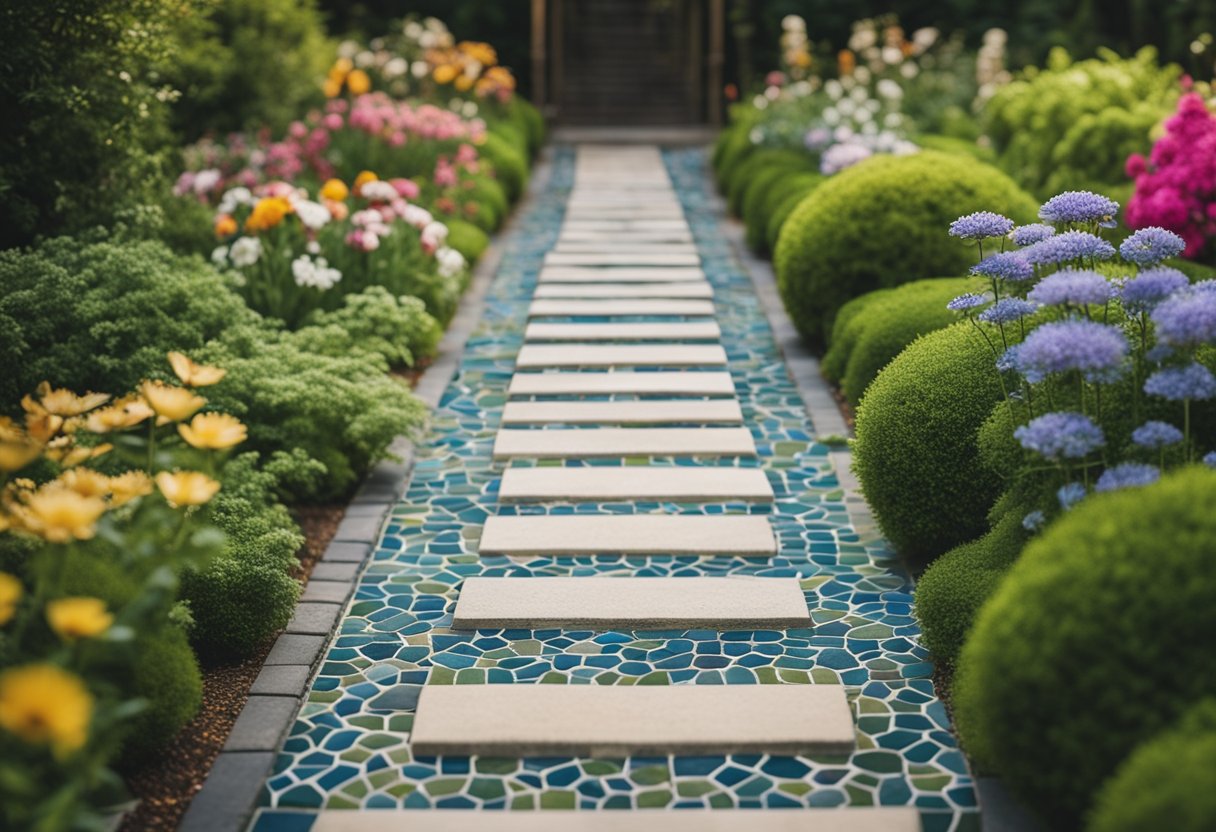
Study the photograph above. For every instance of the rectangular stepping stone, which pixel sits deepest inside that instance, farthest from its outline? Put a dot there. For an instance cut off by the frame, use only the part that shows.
(634, 482)
(634, 235)
(592, 384)
(622, 721)
(685, 289)
(597, 308)
(674, 331)
(613, 603)
(624, 213)
(617, 355)
(741, 535)
(849, 819)
(614, 442)
(622, 245)
(624, 413)
(625, 225)
(626, 274)
(558, 258)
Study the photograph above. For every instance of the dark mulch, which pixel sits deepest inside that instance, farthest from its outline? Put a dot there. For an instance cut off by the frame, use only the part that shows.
(166, 786)
(412, 374)
(846, 409)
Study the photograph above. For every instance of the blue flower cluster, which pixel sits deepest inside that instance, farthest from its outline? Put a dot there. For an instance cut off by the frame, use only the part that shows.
(981, 225)
(1144, 291)
(1008, 265)
(1096, 350)
(1149, 246)
(1068, 247)
(1128, 475)
(966, 302)
(1187, 319)
(1074, 287)
(1008, 310)
(1028, 235)
(1156, 435)
(1080, 207)
(1193, 382)
(1062, 435)
(1070, 495)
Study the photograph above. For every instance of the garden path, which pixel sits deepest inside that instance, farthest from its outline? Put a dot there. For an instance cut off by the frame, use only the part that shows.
(623, 576)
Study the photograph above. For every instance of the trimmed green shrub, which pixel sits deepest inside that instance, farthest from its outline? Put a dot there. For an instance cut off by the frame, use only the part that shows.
(1099, 637)
(957, 147)
(766, 188)
(468, 239)
(735, 146)
(531, 120)
(744, 175)
(167, 676)
(915, 451)
(247, 63)
(885, 325)
(400, 330)
(783, 199)
(490, 194)
(514, 135)
(1167, 782)
(881, 223)
(956, 585)
(510, 167)
(85, 133)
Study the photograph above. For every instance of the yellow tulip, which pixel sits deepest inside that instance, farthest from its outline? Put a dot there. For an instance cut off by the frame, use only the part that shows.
(46, 705)
(64, 402)
(173, 403)
(358, 82)
(213, 431)
(73, 618)
(192, 374)
(186, 488)
(11, 591)
(126, 487)
(58, 514)
(335, 190)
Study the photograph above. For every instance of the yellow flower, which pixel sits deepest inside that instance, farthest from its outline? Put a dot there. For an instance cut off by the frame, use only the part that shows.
(40, 423)
(16, 455)
(335, 190)
(10, 593)
(126, 487)
(186, 488)
(267, 213)
(192, 374)
(363, 178)
(86, 482)
(215, 431)
(58, 515)
(358, 82)
(225, 226)
(172, 403)
(73, 618)
(43, 704)
(63, 402)
(69, 455)
(331, 88)
(446, 73)
(124, 413)
(463, 83)
(483, 53)
(341, 67)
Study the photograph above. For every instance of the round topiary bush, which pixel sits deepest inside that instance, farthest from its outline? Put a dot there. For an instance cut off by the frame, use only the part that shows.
(1099, 637)
(734, 146)
(510, 166)
(167, 676)
(760, 198)
(489, 193)
(879, 331)
(468, 239)
(915, 451)
(881, 223)
(1166, 783)
(782, 202)
(744, 175)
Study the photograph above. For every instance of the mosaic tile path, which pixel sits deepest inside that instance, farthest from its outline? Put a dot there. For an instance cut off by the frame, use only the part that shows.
(350, 747)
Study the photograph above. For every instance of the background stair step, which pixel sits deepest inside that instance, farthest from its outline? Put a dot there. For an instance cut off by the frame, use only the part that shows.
(739, 535)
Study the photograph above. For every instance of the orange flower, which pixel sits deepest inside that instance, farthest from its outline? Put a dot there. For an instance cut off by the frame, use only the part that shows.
(267, 213)
(192, 374)
(847, 61)
(463, 83)
(483, 53)
(446, 73)
(358, 82)
(335, 190)
(338, 210)
(225, 226)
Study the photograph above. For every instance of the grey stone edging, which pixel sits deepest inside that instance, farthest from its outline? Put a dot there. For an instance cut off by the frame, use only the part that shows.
(229, 795)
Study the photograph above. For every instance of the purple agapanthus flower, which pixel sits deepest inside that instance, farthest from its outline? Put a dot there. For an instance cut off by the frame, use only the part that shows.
(1081, 207)
(1096, 350)
(1028, 235)
(1209, 459)
(1067, 247)
(1156, 435)
(966, 302)
(1061, 435)
(1071, 494)
(981, 225)
(1008, 265)
(1149, 246)
(1144, 291)
(1193, 382)
(1008, 310)
(1208, 285)
(1128, 475)
(1186, 319)
(1008, 360)
(1075, 287)
(1033, 521)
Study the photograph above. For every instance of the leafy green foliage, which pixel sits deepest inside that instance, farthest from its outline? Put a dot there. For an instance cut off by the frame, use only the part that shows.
(510, 166)
(882, 223)
(468, 239)
(1073, 123)
(744, 174)
(398, 329)
(85, 129)
(783, 199)
(915, 451)
(1166, 782)
(1099, 638)
(167, 676)
(874, 328)
(246, 64)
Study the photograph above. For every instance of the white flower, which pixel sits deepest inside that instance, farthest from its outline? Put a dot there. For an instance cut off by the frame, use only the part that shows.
(434, 234)
(420, 69)
(233, 198)
(862, 74)
(219, 255)
(348, 49)
(451, 262)
(468, 109)
(924, 38)
(846, 107)
(892, 55)
(205, 180)
(312, 247)
(793, 23)
(413, 29)
(759, 102)
(755, 135)
(859, 94)
(831, 117)
(889, 89)
(909, 70)
(396, 67)
(772, 93)
(834, 89)
(316, 274)
(246, 251)
(364, 59)
(863, 37)
(314, 215)
(840, 156)
(416, 216)
(378, 191)
(428, 40)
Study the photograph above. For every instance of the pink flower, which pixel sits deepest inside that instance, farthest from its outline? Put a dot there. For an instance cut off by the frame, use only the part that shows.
(407, 188)
(332, 121)
(363, 240)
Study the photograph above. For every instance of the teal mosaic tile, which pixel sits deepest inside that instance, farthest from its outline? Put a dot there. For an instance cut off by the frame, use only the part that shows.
(349, 747)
